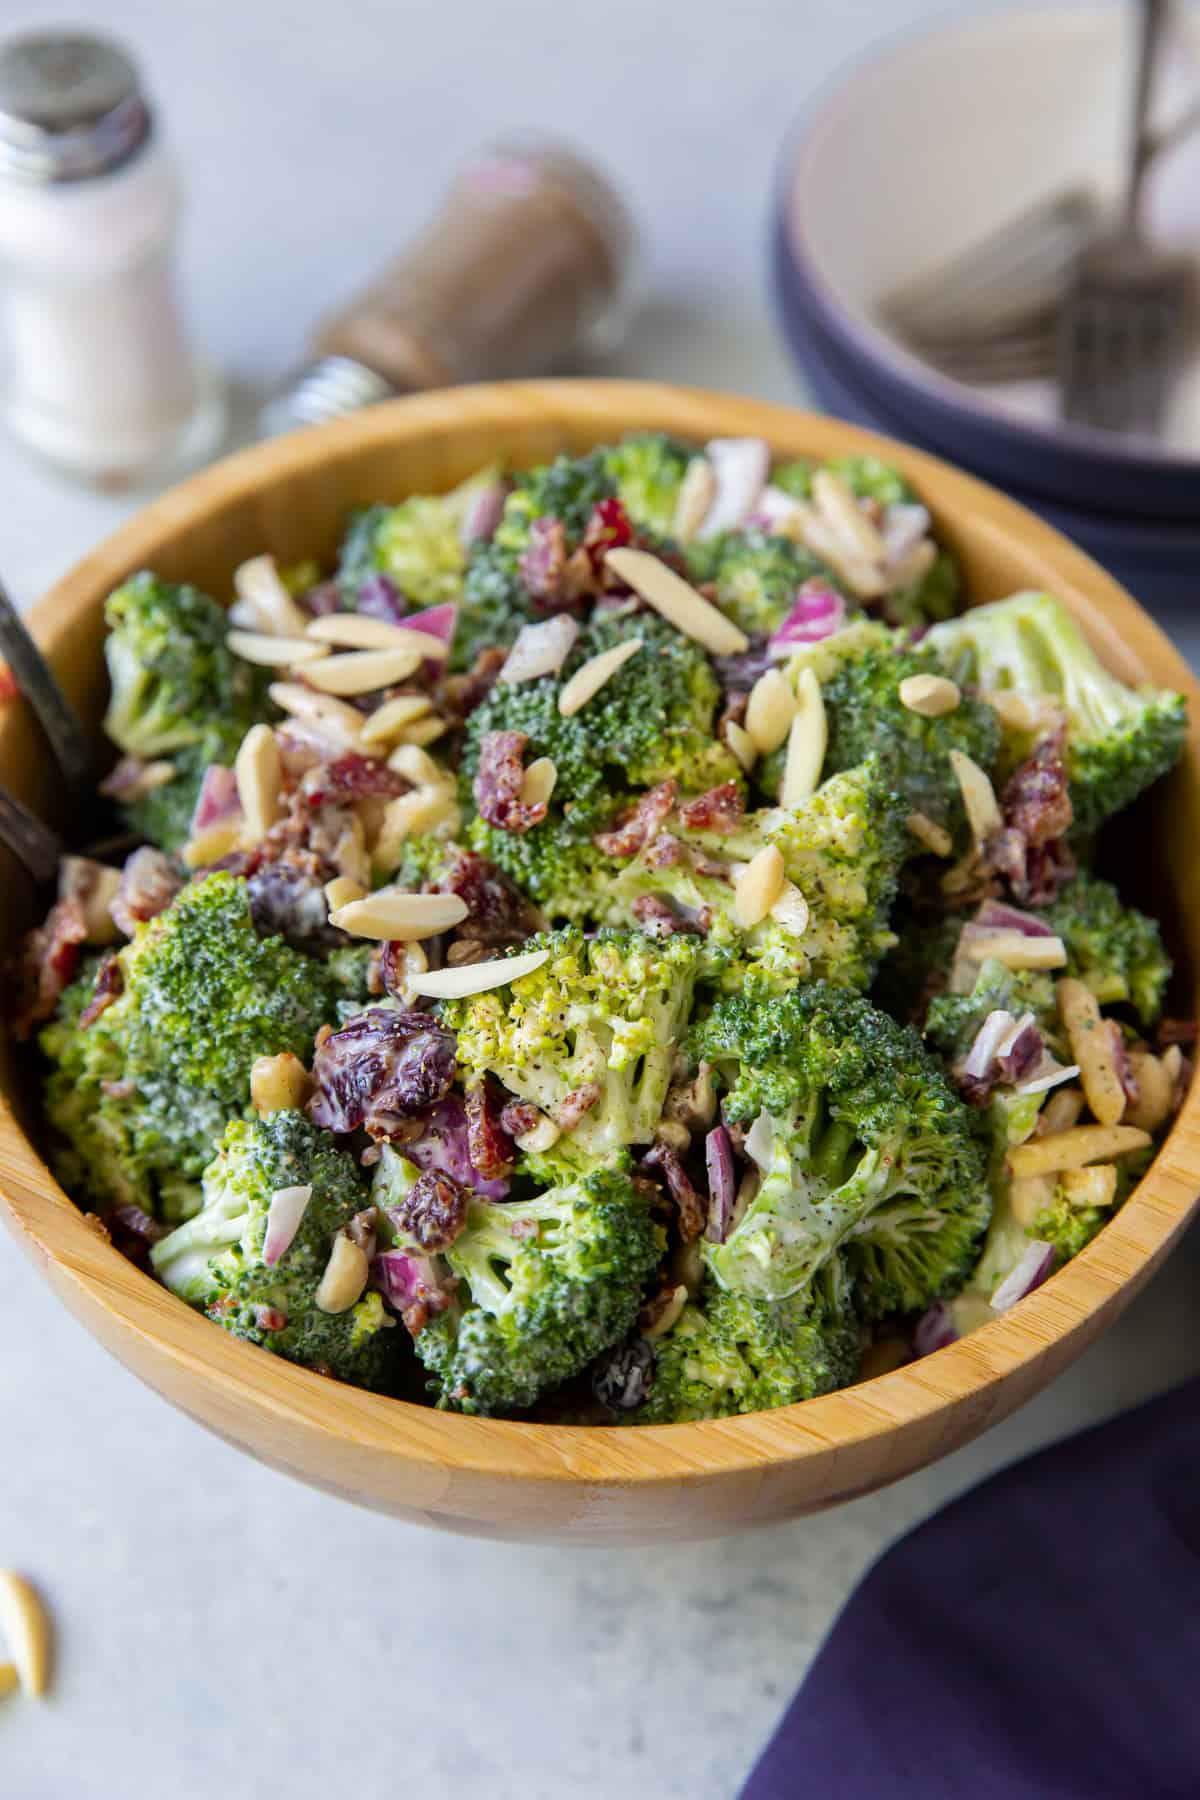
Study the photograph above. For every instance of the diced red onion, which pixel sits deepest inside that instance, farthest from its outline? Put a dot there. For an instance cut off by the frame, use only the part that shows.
(287, 1208)
(995, 915)
(991, 1034)
(772, 507)
(934, 1329)
(481, 514)
(1031, 1270)
(217, 799)
(722, 1183)
(817, 612)
(1022, 1050)
(904, 526)
(540, 649)
(437, 621)
(403, 1279)
(741, 467)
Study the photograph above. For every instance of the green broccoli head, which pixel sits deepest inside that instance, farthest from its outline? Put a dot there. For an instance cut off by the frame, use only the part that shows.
(861, 1146)
(495, 604)
(647, 470)
(217, 1260)
(590, 1036)
(1119, 739)
(754, 575)
(915, 969)
(927, 598)
(1068, 1228)
(1114, 949)
(729, 1353)
(953, 1020)
(546, 1284)
(415, 546)
(865, 714)
(143, 1092)
(841, 849)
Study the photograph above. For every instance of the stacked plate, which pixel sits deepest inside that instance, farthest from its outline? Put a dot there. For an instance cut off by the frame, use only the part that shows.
(919, 154)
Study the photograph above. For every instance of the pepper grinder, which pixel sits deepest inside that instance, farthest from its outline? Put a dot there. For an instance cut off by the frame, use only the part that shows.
(525, 265)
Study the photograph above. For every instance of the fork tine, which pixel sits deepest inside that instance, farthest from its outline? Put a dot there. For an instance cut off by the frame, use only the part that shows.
(33, 843)
(39, 685)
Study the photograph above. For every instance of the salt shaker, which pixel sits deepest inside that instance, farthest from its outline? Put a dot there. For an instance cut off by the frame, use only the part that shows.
(526, 264)
(100, 379)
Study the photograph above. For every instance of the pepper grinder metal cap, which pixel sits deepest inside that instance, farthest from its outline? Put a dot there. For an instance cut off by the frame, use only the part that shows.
(71, 106)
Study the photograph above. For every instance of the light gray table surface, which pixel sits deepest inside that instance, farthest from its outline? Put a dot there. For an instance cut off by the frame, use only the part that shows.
(224, 1630)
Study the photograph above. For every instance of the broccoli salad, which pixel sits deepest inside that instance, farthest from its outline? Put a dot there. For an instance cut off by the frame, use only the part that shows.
(625, 945)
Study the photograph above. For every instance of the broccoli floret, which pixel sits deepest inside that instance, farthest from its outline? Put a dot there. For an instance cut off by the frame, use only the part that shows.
(647, 469)
(602, 1016)
(545, 1285)
(178, 693)
(415, 545)
(215, 1261)
(953, 1020)
(143, 1093)
(865, 714)
(1114, 949)
(728, 1353)
(930, 597)
(861, 1145)
(1069, 1228)
(865, 476)
(754, 575)
(916, 967)
(495, 604)
(841, 849)
(1119, 739)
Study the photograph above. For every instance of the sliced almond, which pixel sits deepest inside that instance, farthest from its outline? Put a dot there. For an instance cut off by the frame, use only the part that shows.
(416, 765)
(591, 676)
(1022, 712)
(1062, 1110)
(386, 723)
(791, 910)
(758, 887)
(424, 811)
(25, 1630)
(539, 781)
(274, 651)
(979, 797)
(358, 631)
(96, 887)
(927, 831)
(278, 1083)
(258, 778)
(345, 1277)
(1156, 1091)
(412, 962)
(1075, 1148)
(362, 671)
(1095, 1186)
(862, 577)
(1016, 951)
(742, 744)
(677, 601)
(342, 890)
(425, 731)
(540, 1137)
(1030, 1195)
(263, 601)
(480, 977)
(304, 702)
(697, 491)
(838, 506)
(914, 565)
(218, 840)
(770, 711)
(539, 650)
(929, 695)
(669, 1316)
(393, 916)
(807, 738)
(1092, 1047)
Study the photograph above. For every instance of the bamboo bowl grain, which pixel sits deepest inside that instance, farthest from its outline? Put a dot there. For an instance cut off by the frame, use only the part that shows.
(507, 1479)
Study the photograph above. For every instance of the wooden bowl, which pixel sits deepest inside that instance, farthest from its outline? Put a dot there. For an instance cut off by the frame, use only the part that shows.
(519, 1480)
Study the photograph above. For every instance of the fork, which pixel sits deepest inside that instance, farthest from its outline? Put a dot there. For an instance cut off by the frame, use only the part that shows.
(33, 843)
(1123, 319)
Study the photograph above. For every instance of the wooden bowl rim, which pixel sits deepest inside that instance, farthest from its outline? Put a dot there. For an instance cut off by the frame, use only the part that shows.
(55, 1231)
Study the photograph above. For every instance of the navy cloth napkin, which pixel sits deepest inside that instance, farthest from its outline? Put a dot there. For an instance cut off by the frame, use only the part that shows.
(1040, 1637)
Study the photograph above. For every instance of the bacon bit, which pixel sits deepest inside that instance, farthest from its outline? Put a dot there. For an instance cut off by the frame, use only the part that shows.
(659, 919)
(379, 1070)
(434, 1210)
(572, 1107)
(46, 962)
(148, 885)
(665, 852)
(499, 782)
(720, 809)
(110, 985)
(692, 1210)
(1030, 851)
(350, 778)
(9, 689)
(498, 914)
(544, 560)
(633, 828)
(489, 1141)
(608, 528)
(270, 1318)
(518, 1117)
(457, 696)
(1175, 1031)
(132, 777)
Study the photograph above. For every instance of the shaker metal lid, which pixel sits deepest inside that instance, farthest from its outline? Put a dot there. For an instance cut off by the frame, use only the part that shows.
(71, 106)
